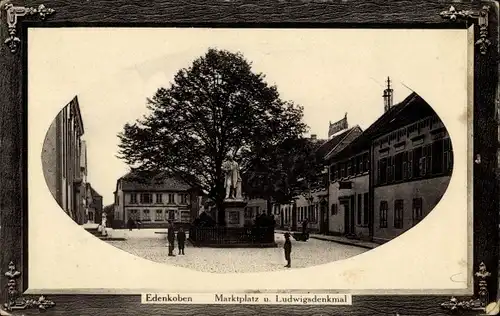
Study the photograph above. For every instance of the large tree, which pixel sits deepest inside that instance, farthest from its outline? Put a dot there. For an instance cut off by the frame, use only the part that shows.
(216, 108)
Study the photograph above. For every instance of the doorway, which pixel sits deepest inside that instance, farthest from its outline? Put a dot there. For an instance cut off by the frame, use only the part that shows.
(323, 218)
(348, 215)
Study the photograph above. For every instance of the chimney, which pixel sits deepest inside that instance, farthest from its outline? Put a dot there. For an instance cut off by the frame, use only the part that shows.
(313, 136)
(388, 96)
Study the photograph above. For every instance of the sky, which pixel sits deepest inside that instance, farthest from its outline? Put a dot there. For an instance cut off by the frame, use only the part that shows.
(113, 71)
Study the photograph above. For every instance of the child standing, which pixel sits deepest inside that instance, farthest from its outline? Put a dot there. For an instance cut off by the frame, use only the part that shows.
(181, 239)
(288, 250)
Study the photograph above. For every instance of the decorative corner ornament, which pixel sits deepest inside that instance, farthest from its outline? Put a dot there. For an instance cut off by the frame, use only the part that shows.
(15, 299)
(13, 13)
(482, 19)
(478, 304)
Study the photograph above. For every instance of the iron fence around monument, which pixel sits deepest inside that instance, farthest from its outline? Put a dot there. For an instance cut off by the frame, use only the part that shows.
(231, 236)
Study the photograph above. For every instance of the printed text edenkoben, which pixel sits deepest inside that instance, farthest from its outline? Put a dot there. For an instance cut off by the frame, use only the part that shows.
(232, 298)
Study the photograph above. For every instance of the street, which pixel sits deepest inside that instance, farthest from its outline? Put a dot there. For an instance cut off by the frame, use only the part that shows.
(151, 246)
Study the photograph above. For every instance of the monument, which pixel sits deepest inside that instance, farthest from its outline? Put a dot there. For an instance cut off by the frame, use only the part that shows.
(234, 204)
(234, 233)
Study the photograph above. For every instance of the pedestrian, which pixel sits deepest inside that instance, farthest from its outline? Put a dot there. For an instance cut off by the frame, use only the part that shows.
(181, 239)
(171, 239)
(130, 223)
(288, 250)
(304, 226)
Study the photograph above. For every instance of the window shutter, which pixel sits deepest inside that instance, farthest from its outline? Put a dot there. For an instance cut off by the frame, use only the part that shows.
(422, 165)
(378, 172)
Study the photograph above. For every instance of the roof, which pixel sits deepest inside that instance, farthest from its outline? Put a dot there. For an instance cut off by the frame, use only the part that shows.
(93, 192)
(410, 109)
(329, 145)
(75, 110)
(134, 182)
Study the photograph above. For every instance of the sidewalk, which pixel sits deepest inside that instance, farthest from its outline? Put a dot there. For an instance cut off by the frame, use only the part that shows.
(341, 240)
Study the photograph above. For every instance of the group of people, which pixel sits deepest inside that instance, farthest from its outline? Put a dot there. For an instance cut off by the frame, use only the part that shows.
(181, 240)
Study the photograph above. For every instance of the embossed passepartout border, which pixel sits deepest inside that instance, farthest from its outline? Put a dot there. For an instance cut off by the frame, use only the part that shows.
(16, 16)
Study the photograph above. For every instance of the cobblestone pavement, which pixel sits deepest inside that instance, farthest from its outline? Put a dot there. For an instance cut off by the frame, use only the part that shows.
(231, 260)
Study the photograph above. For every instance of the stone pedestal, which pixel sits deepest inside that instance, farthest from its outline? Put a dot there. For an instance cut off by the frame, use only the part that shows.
(235, 213)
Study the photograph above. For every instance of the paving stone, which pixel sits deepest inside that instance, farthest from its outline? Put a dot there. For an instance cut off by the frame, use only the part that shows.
(239, 260)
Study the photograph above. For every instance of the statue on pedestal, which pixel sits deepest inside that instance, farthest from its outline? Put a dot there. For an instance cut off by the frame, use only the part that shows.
(233, 180)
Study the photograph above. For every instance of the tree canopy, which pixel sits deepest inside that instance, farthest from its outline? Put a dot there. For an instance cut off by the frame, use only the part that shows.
(290, 168)
(214, 109)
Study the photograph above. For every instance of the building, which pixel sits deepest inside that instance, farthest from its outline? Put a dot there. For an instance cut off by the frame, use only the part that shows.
(154, 201)
(348, 190)
(312, 204)
(413, 162)
(64, 161)
(109, 211)
(392, 175)
(94, 205)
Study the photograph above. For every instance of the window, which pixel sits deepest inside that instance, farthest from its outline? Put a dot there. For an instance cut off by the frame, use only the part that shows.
(185, 217)
(359, 165)
(417, 210)
(382, 171)
(427, 152)
(133, 214)
(366, 162)
(159, 198)
(447, 156)
(146, 215)
(171, 215)
(184, 199)
(410, 164)
(438, 166)
(133, 198)
(398, 167)
(159, 215)
(343, 169)
(398, 214)
(365, 209)
(334, 210)
(390, 169)
(359, 209)
(146, 198)
(418, 162)
(404, 165)
(171, 198)
(384, 206)
(349, 168)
